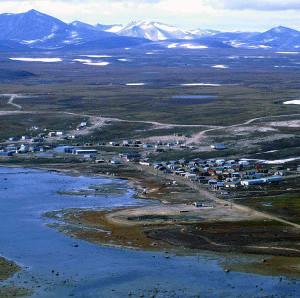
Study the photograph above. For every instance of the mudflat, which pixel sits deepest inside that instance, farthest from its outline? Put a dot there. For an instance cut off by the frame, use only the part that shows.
(7, 269)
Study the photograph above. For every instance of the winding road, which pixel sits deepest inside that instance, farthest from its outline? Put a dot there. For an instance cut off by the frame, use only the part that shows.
(195, 138)
(99, 121)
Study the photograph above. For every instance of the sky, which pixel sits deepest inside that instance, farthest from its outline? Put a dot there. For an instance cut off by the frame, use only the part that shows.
(224, 15)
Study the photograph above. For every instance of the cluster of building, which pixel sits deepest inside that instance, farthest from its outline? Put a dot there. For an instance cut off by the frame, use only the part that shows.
(10, 150)
(159, 146)
(41, 136)
(218, 173)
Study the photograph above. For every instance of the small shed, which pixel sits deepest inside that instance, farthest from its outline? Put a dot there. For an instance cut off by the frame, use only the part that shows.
(212, 182)
(115, 162)
(252, 182)
(218, 146)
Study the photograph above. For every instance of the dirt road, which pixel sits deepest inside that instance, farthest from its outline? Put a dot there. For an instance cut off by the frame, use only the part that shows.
(195, 138)
(12, 97)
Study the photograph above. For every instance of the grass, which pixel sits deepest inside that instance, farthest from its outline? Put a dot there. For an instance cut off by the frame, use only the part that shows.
(258, 86)
(189, 154)
(119, 131)
(282, 144)
(250, 88)
(286, 206)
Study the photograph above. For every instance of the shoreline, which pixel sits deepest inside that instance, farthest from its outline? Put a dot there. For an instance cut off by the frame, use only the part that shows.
(8, 268)
(154, 233)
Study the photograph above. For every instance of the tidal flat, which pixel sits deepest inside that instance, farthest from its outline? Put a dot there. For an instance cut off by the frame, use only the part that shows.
(56, 264)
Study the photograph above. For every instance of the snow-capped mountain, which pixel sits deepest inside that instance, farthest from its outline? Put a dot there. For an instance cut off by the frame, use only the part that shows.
(156, 31)
(39, 30)
(153, 31)
(198, 33)
(29, 26)
(36, 30)
(110, 28)
(281, 37)
(84, 26)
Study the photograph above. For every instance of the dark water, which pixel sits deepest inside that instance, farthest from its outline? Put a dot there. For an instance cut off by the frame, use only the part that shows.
(192, 99)
(96, 271)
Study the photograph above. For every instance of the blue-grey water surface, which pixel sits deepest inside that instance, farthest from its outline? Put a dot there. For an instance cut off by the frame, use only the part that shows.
(91, 270)
(194, 96)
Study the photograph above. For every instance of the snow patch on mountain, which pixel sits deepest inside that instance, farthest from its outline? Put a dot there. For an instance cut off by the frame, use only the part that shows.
(152, 30)
(115, 29)
(172, 45)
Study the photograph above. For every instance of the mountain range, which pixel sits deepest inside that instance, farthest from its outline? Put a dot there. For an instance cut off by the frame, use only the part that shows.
(36, 30)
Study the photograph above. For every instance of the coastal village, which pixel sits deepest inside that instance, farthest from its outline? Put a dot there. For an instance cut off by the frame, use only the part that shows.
(224, 175)
(150, 159)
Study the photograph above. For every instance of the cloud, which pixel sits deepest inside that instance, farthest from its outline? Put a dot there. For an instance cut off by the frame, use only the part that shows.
(260, 5)
(91, 1)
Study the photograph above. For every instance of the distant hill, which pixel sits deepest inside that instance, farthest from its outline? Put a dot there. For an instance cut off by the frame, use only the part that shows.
(36, 30)
(11, 75)
(110, 28)
(39, 30)
(278, 37)
(31, 25)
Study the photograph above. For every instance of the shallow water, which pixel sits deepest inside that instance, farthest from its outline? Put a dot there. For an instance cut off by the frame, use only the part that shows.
(90, 270)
